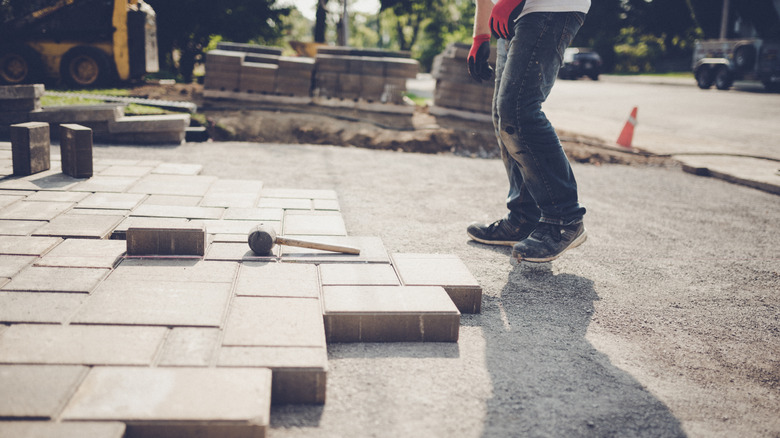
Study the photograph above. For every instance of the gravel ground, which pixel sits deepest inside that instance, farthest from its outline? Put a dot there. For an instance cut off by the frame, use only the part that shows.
(664, 323)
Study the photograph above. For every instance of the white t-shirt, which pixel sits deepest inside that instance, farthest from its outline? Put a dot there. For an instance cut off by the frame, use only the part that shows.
(554, 6)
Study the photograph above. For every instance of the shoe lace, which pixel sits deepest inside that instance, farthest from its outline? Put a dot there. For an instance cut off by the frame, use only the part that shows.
(494, 225)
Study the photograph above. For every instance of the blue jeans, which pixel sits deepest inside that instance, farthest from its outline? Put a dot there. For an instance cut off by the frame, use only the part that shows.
(542, 187)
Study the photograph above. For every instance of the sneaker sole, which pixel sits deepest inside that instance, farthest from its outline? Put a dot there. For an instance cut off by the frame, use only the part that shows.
(577, 242)
(492, 242)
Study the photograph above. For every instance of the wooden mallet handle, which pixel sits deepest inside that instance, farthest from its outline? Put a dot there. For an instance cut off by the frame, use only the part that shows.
(262, 239)
(317, 245)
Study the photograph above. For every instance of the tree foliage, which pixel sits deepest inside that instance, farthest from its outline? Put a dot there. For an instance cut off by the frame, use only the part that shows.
(187, 26)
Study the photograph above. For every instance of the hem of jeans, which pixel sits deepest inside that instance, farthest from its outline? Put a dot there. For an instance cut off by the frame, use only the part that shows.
(561, 222)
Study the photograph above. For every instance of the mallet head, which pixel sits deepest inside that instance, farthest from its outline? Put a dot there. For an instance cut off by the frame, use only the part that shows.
(262, 239)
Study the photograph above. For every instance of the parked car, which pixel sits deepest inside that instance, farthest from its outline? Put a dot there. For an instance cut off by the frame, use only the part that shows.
(579, 62)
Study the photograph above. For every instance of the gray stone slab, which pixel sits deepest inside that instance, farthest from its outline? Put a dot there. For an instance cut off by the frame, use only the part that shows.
(323, 223)
(389, 314)
(202, 402)
(47, 279)
(29, 210)
(358, 275)
(99, 212)
(180, 185)
(278, 280)
(26, 91)
(227, 238)
(254, 214)
(51, 196)
(190, 347)
(241, 227)
(80, 344)
(164, 303)
(115, 201)
(7, 199)
(104, 183)
(188, 239)
(79, 225)
(37, 391)
(185, 201)
(49, 180)
(9, 227)
(31, 147)
(237, 251)
(38, 307)
(33, 246)
(175, 211)
(299, 373)
(117, 170)
(10, 265)
(85, 253)
(326, 204)
(120, 232)
(446, 270)
(51, 429)
(372, 250)
(285, 203)
(299, 193)
(233, 193)
(76, 150)
(178, 169)
(275, 322)
(175, 270)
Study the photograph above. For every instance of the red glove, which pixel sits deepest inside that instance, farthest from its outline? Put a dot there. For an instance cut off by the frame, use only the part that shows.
(503, 17)
(479, 69)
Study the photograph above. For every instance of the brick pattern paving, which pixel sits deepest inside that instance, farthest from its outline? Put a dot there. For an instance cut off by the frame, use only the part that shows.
(102, 336)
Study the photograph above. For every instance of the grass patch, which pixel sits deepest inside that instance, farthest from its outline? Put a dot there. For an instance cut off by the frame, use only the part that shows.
(418, 100)
(48, 100)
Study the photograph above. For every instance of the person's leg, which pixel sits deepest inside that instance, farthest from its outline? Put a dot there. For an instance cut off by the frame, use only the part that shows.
(534, 57)
(523, 212)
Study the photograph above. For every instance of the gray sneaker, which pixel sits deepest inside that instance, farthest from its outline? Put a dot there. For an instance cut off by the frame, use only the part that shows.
(500, 232)
(547, 242)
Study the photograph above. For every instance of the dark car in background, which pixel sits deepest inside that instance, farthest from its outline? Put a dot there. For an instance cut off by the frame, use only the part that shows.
(579, 62)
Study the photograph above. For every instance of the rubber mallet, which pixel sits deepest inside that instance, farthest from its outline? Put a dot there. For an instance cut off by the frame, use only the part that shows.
(263, 238)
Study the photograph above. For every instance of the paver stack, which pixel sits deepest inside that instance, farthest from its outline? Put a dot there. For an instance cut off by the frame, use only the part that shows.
(455, 89)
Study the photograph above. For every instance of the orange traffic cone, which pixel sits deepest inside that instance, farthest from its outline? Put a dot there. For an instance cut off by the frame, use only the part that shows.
(628, 130)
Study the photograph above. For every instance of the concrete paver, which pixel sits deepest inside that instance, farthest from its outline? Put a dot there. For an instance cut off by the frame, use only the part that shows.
(20, 245)
(190, 347)
(254, 214)
(175, 270)
(277, 280)
(10, 227)
(10, 265)
(79, 225)
(49, 196)
(271, 322)
(84, 253)
(446, 270)
(80, 344)
(114, 201)
(372, 250)
(158, 184)
(56, 279)
(106, 183)
(187, 239)
(233, 193)
(38, 307)
(233, 247)
(37, 391)
(49, 180)
(80, 429)
(358, 275)
(159, 401)
(324, 223)
(285, 203)
(29, 210)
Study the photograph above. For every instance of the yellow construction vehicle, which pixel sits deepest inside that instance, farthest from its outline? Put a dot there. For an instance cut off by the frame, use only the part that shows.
(80, 43)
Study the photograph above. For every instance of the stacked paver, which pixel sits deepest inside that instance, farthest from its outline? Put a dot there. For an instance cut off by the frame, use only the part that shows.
(108, 122)
(97, 340)
(371, 75)
(455, 89)
(251, 69)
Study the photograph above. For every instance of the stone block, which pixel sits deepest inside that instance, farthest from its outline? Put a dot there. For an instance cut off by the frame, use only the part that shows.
(151, 123)
(180, 185)
(274, 322)
(278, 280)
(358, 275)
(446, 270)
(29, 91)
(400, 67)
(7, 105)
(202, 402)
(372, 250)
(234, 58)
(79, 225)
(51, 429)
(30, 147)
(237, 251)
(86, 115)
(324, 223)
(253, 214)
(10, 265)
(190, 347)
(111, 201)
(38, 307)
(120, 232)
(56, 279)
(299, 374)
(175, 270)
(226, 46)
(176, 304)
(177, 169)
(98, 212)
(48, 180)
(185, 239)
(8, 199)
(233, 193)
(105, 183)
(80, 344)
(389, 314)
(31, 210)
(239, 227)
(299, 193)
(326, 204)
(187, 201)
(85, 253)
(76, 150)
(52, 196)
(257, 78)
(260, 58)
(293, 86)
(175, 211)
(37, 391)
(289, 64)
(11, 227)
(331, 64)
(285, 203)
(126, 170)
(27, 246)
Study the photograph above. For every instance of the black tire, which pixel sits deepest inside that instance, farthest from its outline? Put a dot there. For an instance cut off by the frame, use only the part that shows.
(20, 64)
(745, 57)
(85, 67)
(704, 77)
(723, 78)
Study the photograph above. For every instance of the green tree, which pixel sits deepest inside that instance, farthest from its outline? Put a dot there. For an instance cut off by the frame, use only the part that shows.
(187, 26)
